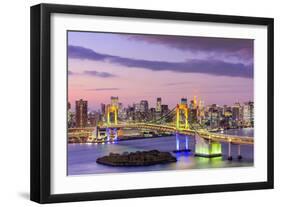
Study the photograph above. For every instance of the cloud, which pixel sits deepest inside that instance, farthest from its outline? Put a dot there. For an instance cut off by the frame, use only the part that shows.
(103, 89)
(98, 74)
(208, 66)
(177, 83)
(240, 48)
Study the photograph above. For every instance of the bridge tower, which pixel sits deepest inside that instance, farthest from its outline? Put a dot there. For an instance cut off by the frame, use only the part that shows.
(112, 109)
(110, 129)
(182, 107)
(179, 109)
(207, 148)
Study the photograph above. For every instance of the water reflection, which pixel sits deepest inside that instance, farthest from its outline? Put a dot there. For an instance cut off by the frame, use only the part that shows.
(82, 157)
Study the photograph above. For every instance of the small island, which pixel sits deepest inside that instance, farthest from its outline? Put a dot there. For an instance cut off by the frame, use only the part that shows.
(138, 158)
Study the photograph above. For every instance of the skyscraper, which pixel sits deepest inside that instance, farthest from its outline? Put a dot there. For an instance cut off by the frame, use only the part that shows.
(137, 107)
(81, 113)
(102, 108)
(164, 108)
(236, 112)
(158, 104)
(248, 113)
(144, 106)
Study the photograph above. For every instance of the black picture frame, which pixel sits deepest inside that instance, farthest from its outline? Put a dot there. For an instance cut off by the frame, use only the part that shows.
(41, 98)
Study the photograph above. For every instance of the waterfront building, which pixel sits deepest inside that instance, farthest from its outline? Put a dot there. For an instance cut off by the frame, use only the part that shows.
(81, 113)
(158, 105)
(236, 114)
(248, 114)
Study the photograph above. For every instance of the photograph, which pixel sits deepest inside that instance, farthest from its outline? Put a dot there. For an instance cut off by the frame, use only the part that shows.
(155, 102)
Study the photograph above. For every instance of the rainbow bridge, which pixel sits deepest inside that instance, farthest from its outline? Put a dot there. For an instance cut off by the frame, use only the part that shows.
(207, 144)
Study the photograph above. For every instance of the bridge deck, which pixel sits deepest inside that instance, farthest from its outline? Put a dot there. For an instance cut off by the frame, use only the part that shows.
(167, 128)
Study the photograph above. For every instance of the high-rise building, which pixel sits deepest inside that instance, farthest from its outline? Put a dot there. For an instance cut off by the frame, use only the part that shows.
(158, 104)
(144, 106)
(164, 109)
(114, 101)
(248, 113)
(201, 114)
(236, 112)
(102, 108)
(137, 107)
(153, 113)
(93, 119)
(81, 113)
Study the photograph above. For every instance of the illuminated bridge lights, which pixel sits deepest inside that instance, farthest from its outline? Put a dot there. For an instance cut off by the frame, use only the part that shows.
(114, 110)
(207, 148)
(186, 147)
(179, 108)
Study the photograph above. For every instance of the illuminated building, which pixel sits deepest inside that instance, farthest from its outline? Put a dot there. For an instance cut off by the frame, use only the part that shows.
(93, 119)
(81, 111)
(158, 104)
(102, 108)
(200, 114)
(193, 110)
(164, 109)
(248, 114)
(214, 116)
(137, 107)
(144, 106)
(236, 112)
(153, 113)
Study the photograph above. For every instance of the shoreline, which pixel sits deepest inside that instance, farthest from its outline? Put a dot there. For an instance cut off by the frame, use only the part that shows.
(126, 138)
(119, 139)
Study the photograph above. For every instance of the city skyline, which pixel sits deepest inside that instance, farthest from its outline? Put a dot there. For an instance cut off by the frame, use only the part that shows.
(144, 67)
(214, 116)
(71, 107)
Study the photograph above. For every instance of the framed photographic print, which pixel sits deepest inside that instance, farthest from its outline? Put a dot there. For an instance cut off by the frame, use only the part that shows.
(132, 103)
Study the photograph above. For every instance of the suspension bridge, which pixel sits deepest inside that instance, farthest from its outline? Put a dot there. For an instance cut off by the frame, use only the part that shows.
(207, 144)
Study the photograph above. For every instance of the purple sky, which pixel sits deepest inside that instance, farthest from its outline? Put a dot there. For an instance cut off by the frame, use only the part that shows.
(144, 67)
